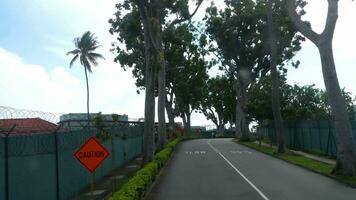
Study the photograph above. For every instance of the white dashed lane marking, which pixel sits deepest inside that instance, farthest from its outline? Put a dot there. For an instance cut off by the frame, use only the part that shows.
(195, 152)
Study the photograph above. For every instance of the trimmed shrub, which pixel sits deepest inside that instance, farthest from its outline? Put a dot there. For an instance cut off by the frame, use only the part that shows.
(136, 187)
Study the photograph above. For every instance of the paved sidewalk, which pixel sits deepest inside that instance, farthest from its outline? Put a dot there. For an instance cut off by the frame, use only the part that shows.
(308, 155)
(103, 189)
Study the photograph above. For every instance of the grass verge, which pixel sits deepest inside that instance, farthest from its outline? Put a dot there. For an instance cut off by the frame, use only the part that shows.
(307, 163)
(136, 187)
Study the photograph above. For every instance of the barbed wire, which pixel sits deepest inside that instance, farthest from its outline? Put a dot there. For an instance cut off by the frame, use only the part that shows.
(14, 113)
(19, 121)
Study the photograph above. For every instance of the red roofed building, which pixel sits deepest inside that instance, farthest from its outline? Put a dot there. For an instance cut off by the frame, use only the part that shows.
(26, 126)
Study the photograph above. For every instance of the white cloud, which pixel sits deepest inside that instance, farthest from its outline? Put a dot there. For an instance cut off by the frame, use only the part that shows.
(59, 52)
(30, 86)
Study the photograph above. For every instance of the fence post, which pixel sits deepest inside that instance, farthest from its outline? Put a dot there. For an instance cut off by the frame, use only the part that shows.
(6, 146)
(56, 163)
(296, 139)
(319, 135)
(328, 142)
(310, 137)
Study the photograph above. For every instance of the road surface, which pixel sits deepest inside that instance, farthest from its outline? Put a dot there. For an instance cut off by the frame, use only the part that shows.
(220, 169)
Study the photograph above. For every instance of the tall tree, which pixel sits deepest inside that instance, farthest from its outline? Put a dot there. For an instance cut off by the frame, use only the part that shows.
(181, 43)
(277, 22)
(219, 101)
(276, 105)
(190, 86)
(236, 40)
(346, 150)
(239, 38)
(298, 102)
(154, 17)
(85, 47)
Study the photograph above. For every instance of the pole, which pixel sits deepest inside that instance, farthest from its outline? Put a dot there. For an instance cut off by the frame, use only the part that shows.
(6, 166)
(57, 163)
(92, 184)
(6, 146)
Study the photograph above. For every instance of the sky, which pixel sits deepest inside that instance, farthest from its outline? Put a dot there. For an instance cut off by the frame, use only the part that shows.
(35, 73)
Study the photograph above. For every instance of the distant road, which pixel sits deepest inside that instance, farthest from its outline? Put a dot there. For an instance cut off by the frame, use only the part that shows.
(219, 169)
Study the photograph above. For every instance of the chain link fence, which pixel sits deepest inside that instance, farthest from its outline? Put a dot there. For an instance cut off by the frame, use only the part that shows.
(316, 137)
(36, 152)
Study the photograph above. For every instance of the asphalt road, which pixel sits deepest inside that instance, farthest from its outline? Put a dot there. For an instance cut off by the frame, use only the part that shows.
(219, 169)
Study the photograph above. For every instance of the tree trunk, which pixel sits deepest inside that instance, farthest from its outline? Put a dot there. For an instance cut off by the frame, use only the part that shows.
(170, 114)
(148, 150)
(276, 109)
(161, 101)
(238, 131)
(346, 157)
(150, 78)
(184, 118)
(188, 125)
(242, 129)
(87, 82)
(220, 128)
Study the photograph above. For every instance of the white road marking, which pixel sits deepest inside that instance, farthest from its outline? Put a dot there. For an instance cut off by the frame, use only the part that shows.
(249, 152)
(238, 171)
(235, 152)
(195, 152)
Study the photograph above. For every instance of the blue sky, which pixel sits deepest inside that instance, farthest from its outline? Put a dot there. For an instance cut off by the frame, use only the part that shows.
(35, 34)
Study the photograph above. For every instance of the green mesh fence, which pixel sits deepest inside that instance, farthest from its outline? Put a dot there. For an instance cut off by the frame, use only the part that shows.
(34, 173)
(310, 136)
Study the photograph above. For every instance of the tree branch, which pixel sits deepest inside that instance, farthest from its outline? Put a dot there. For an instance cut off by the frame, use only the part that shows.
(213, 117)
(301, 25)
(146, 24)
(178, 21)
(331, 19)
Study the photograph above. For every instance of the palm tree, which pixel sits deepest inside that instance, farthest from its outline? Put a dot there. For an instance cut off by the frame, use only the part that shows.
(84, 50)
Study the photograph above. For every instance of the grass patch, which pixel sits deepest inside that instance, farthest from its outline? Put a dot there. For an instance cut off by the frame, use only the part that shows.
(351, 180)
(316, 166)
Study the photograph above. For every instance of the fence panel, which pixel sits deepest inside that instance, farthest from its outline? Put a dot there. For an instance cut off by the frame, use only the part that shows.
(31, 164)
(2, 168)
(311, 136)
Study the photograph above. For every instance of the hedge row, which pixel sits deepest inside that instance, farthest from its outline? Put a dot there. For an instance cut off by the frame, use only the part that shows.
(136, 187)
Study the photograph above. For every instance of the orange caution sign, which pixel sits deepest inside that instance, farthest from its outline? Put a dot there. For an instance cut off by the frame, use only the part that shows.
(92, 154)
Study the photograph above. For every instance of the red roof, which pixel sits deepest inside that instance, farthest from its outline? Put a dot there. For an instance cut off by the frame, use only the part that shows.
(27, 126)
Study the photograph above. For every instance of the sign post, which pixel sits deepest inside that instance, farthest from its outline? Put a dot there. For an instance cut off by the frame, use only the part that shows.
(91, 155)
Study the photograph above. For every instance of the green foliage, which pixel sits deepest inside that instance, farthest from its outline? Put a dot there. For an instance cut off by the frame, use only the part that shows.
(259, 106)
(115, 117)
(348, 101)
(186, 67)
(102, 135)
(85, 51)
(238, 36)
(136, 187)
(128, 27)
(297, 102)
(99, 122)
(219, 101)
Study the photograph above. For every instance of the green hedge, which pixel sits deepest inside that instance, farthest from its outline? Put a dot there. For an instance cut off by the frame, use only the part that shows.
(136, 187)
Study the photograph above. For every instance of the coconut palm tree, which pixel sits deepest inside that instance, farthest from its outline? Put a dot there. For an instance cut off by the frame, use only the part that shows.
(85, 47)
